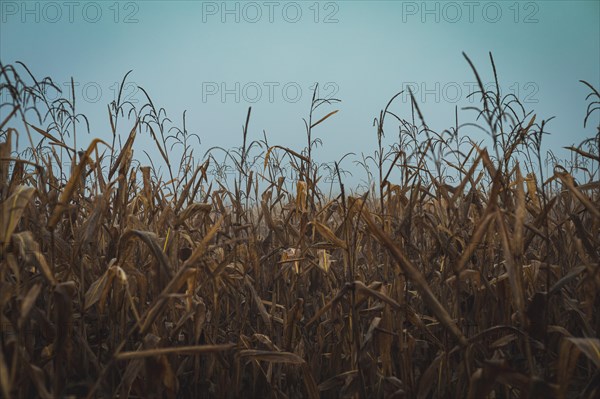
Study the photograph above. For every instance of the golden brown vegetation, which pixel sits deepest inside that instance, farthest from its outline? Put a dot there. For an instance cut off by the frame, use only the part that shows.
(116, 283)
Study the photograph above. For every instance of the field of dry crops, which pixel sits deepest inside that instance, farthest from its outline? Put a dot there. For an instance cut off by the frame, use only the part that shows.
(458, 272)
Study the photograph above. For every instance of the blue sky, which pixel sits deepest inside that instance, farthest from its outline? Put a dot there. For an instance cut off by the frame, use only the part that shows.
(216, 59)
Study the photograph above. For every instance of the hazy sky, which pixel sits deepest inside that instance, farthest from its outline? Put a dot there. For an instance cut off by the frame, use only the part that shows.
(216, 59)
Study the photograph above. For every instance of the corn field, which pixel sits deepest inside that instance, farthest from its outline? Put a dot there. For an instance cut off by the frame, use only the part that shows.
(458, 270)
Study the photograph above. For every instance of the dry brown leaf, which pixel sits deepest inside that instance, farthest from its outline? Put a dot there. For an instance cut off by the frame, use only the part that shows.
(12, 210)
(329, 235)
(72, 184)
(417, 278)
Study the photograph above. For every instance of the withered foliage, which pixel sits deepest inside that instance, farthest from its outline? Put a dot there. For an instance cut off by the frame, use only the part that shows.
(460, 270)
